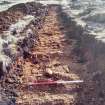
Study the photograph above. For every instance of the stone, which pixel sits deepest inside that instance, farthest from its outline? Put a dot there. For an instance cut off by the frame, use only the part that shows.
(66, 68)
(33, 71)
(48, 72)
(9, 80)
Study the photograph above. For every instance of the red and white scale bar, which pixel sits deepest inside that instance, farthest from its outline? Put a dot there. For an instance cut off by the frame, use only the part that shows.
(51, 82)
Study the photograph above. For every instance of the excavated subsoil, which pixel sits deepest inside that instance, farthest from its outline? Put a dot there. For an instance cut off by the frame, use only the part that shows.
(58, 55)
(52, 53)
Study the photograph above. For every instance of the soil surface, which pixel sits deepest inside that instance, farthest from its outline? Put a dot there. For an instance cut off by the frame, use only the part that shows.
(52, 54)
(58, 56)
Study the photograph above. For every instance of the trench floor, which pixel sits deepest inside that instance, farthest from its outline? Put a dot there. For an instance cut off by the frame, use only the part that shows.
(53, 54)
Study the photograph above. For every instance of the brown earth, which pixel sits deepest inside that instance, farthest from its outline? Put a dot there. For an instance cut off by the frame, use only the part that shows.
(59, 56)
(53, 53)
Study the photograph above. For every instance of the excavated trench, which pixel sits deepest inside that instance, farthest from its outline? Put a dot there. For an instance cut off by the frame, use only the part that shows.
(62, 52)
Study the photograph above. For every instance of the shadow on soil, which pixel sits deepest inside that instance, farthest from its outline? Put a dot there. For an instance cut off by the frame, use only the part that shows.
(88, 61)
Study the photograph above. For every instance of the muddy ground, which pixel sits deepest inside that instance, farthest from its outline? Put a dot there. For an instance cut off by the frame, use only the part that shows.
(61, 50)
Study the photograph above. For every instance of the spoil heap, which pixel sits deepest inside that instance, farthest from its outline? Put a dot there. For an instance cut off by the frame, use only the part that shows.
(16, 43)
(13, 40)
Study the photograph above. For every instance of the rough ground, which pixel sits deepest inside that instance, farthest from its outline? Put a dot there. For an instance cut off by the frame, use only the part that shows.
(59, 50)
(54, 53)
(13, 14)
